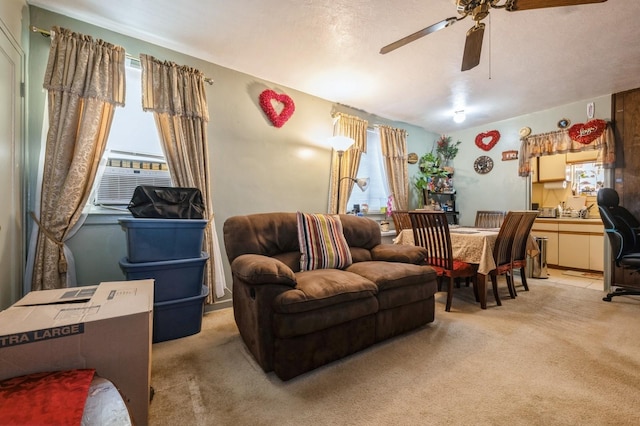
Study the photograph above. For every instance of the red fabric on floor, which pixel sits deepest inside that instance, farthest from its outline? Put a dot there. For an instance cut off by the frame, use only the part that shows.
(51, 398)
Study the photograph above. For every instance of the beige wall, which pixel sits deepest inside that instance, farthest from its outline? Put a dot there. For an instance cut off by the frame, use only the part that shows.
(255, 167)
(502, 188)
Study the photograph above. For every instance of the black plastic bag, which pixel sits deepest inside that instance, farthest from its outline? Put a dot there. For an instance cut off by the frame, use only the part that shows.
(157, 202)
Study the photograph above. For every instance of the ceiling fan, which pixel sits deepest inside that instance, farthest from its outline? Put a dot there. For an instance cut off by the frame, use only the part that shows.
(478, 10)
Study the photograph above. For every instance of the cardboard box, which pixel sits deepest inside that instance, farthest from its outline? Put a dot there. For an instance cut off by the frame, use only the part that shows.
(107, 327)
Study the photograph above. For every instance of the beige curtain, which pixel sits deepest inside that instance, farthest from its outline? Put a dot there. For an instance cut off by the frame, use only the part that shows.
(176, 95)
(356, 129)
(85, 82)
(560, 142)
(394, 152)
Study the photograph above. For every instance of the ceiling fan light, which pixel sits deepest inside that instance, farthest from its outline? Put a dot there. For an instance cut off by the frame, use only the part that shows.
(459, 116)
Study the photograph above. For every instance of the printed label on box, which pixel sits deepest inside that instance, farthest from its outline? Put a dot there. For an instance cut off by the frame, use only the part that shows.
(39, 335)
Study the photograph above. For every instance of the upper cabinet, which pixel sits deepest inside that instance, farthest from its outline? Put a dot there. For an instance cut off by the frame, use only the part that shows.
(582, 156)
(551, 168)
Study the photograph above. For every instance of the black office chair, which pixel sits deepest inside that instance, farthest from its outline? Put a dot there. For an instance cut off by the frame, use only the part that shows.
(623, 236)
(608, 197)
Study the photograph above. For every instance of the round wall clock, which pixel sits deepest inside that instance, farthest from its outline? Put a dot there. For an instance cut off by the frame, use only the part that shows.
(483, 164)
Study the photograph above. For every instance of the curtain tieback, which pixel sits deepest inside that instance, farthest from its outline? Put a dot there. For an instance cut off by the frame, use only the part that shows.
(62, 262)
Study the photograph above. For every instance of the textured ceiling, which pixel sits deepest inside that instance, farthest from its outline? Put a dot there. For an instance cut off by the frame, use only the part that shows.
(531, 61)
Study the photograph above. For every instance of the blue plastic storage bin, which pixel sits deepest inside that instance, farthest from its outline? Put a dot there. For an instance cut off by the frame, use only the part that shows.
(153, 240)
(174, 279)
(178, 318)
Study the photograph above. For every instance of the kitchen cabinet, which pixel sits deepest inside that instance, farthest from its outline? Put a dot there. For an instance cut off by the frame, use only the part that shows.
(552, 168)
(572, 243)
(573, 250)
(596, 252)
(589, 156)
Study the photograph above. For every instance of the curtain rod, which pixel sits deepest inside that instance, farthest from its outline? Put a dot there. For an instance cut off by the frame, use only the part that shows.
(553, 132)
(46, 33)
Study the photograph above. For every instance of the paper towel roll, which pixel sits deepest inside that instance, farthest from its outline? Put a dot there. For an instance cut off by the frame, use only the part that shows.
(556, 185)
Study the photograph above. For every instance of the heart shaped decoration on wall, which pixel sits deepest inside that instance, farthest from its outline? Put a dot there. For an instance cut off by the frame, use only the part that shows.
(585, 133)
(269, 100)
(487, 140)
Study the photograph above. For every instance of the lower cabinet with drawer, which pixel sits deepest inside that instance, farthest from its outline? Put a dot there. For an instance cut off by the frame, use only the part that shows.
(573, 250)
(571, 243)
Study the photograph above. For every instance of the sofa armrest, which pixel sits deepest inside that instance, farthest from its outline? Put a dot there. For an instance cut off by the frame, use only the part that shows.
(399, 253)
(259, 269)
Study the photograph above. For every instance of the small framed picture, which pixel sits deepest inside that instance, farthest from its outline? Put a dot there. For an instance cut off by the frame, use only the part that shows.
(509, 155)
(564, 123)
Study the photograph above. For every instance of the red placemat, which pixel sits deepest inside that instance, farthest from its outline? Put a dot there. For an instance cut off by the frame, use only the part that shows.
(51, 398)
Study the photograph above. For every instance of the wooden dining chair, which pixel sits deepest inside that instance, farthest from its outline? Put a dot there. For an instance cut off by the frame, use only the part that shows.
(401, 220)
(520, 247)
(431, 231)
(489, 218)
(503, 253)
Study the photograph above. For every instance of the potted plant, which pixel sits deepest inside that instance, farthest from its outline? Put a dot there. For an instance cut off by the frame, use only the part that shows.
(430, 172)
(447, 151)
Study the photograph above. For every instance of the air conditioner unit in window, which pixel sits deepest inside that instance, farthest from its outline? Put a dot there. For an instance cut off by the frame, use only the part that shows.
(118, 183)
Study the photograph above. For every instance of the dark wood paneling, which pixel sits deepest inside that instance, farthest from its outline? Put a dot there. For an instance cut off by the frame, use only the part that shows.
(626, 113)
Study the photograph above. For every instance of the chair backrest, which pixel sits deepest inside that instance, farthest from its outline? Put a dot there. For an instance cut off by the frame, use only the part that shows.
(522, 234)
(621, 234)
(401, 220)
(608, 198)
(503, 250)
(489, 218)
(431, 231)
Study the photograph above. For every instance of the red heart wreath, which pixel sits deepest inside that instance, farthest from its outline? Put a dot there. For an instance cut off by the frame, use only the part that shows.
(494, 137)
(585, 133)
(266, 102)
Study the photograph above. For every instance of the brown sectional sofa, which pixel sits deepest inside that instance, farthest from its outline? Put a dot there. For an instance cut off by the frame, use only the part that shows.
(293, 321)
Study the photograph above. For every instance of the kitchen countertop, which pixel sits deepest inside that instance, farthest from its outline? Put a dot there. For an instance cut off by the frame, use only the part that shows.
(591, 221)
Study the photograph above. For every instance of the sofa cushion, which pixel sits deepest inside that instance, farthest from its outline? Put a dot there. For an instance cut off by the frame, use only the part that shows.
(400, 253)
(359, 254)
(398, 283)
(360, 231)
(323, 287)
(322, 298)
(322, 242)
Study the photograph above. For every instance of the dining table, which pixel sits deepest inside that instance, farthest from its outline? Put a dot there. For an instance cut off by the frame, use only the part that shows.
(475, 246)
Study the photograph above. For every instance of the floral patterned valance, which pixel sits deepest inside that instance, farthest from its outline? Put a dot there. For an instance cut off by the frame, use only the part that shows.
(595, 134)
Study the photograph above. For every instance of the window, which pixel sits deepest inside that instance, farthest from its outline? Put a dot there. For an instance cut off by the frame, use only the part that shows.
(372, 167)
(133, 155)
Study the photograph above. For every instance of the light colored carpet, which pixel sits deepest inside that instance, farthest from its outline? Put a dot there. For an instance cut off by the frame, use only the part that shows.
(556, 355)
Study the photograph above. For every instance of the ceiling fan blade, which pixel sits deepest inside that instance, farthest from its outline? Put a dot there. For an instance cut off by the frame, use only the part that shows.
(539, 4)
(473, 47)
(418, 34)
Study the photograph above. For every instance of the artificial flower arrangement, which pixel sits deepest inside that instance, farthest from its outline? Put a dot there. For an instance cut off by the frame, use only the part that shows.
(384, 224)
(277, 119)
(445, 149)
(389, 205)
